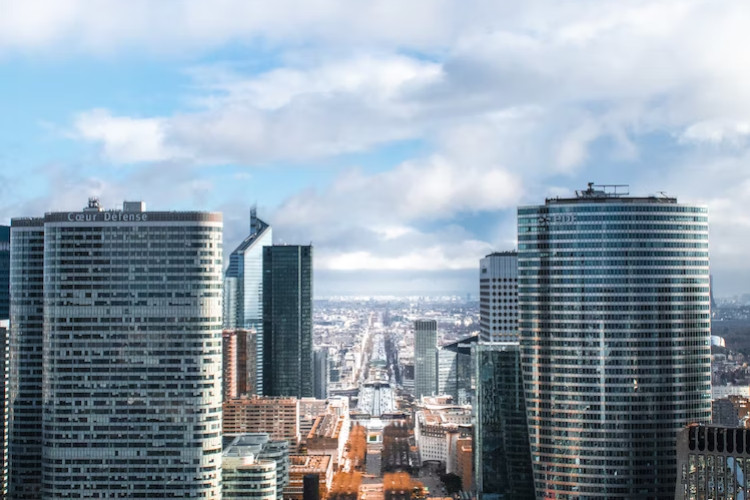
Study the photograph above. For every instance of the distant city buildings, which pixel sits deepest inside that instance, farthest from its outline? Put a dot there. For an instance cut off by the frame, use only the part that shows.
(502, 460)
(615, 329)
(425, 358)
(116, 354)
(498, 297)
(287, 321)
(243, 290)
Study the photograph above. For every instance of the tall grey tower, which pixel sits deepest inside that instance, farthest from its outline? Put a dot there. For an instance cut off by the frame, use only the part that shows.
(287, 321)
(243, 289)
(425, 358)
(498, 297)
(615, 339)
(122, 351)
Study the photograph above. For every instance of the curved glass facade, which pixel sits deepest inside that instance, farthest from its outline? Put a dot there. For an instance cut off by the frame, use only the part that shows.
(615, 336)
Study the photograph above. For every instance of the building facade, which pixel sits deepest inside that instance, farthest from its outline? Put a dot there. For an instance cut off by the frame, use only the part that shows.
(454, 370)
(130, 351)
(502, 461)
(244, 475)
(287, 321)
(615, 338)
(498, 297)
(713, 462)
(238, 358)
(425, 358)
(320, 373)
(243, 290)
(279, 417)
(261, 447)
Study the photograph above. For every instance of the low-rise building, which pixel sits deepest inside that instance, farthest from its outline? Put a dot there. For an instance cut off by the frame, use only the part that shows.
(244, 475)
(437, 429)
(278, 417)
(303, 465)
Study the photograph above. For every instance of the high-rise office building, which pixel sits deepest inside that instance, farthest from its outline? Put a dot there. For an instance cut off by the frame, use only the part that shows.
(243, 289)
(615, 338)
(502, 463)
(25, 360)
(4, 351)
(287, 321)
(127, 339)
(454, 370)
(320, 375)
(238, 362)
(425, 358)
(498, 297)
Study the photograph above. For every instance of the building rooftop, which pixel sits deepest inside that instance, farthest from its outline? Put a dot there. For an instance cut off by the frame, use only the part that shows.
(609, 193)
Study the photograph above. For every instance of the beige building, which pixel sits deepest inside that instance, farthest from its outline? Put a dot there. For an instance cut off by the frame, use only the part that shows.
(302, 465)
(278, 417)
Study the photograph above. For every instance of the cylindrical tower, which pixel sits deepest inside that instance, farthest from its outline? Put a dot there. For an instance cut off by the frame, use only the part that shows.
(615, 336)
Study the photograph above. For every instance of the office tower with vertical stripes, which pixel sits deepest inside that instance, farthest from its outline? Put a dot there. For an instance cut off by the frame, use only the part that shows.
(116, 354)
(614, 309)
(425, 358)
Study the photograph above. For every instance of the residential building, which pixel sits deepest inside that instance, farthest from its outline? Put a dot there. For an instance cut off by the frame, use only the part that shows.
(304, 465)
(131, 306)
(464, 465)
(502, 463)
(614, 308)
(437, 429)
(498, 297)
(425, 358)
(279, 417)
(243, 290)
(287, 321)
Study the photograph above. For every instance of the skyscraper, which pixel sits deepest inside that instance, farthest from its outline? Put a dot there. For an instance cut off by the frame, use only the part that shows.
(502, 464)
(454, 370)
(498, 297)
(615, 338)
(116, 367)
(425, 357)
(238, 362)
(287, 321)
(243, 289)
(320, 376)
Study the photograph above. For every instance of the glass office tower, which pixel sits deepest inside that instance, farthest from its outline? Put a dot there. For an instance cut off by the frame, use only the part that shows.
(425, 357)
(502, 466)
(287, 321)
(130, 347)
(243, 290)
(615, 336)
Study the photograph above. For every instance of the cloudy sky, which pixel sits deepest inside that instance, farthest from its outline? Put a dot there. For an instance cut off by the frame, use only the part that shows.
(396, 136)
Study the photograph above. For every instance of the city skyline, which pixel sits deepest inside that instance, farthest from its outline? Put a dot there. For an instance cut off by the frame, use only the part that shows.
(398, 140)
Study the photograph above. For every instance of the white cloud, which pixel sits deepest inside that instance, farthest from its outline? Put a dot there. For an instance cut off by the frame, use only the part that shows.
(124, 139)
(717, 132)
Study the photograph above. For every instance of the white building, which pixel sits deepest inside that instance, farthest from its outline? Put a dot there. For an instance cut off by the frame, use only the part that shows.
(437, 428)
(498, 297)
(129, 371)
(244, 475)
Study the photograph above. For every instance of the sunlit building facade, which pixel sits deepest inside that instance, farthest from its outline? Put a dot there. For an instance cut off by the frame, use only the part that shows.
(615, 332)
(129, 346)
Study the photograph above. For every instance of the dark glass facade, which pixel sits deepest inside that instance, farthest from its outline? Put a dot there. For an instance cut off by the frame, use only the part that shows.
(502, 464)
(287, 321)
(615, 332)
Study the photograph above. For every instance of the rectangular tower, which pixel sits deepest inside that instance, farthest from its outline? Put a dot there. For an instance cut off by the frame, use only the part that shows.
(425, 358)
(614, 304)
(243, 289)
(129, 350)
(498, 297)
(287, 321)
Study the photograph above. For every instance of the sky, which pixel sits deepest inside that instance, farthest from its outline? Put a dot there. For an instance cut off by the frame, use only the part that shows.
(398, 137)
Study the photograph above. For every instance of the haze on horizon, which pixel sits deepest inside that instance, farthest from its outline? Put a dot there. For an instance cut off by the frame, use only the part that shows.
(397, 138)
